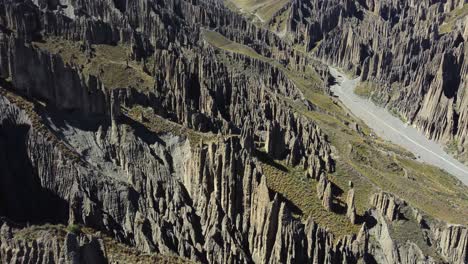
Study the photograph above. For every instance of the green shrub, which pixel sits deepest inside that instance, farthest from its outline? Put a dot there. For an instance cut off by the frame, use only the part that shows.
(74, 228)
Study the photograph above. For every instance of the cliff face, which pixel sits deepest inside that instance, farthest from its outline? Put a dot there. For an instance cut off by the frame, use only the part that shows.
(188, 89)
(209, 203)
(146, 189)
(48, 246)
(171, 158)
(389, 209)
(415, 52)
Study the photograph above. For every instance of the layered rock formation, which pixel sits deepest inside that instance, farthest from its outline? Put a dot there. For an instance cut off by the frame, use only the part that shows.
(387, 205)
(415, 52)
(193, 183)
(209, 204)
(49, 246)
(436, 234)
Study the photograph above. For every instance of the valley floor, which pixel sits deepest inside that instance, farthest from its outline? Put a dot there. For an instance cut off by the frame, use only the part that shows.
(393, 129)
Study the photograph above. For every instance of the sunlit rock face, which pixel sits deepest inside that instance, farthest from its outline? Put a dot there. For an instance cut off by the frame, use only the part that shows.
(121, 117)
(414, 51)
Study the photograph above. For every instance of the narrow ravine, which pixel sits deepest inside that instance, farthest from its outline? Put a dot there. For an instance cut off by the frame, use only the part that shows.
(393, 129)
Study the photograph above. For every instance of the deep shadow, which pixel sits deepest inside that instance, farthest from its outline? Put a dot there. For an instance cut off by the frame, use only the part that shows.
(369, 259)
(92, 123)
(336, 190)
(459, 40)
(331, 81)
(402, 216)
(141, 131)
(368, 219)
(22, 196)
(359, 15)
(73, 118)
(338, 207)
(292, 207)
(451, 76)
(263, 157)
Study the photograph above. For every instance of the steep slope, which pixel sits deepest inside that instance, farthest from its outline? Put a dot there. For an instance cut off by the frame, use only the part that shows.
(180, 128)
(414, 51)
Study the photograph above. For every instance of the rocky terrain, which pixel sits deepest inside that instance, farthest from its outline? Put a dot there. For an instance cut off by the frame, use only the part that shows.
(411, 54)
(156, 129)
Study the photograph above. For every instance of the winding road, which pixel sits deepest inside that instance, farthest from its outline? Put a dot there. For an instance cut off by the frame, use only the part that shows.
(393, 129)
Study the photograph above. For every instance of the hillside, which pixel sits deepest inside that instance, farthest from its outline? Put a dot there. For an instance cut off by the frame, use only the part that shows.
(205, 131)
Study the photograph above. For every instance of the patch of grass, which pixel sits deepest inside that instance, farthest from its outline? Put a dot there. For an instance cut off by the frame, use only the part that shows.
(267, 11)
(409, 230)
(341, 137)
(301, 191)
(435, 191)
(121, 253)
(460, 152)
(316, 46)
(365, 89)
(263, 9)
(74, 228)
(160, 125)
(231, 6)
(305, 81)
(33, 232)
(452, 17)
(373, 164)
(116, 252)
(388, 146)
(219, 41)
(452, 146)
(279, 22)
(110, 63)
(397, 114)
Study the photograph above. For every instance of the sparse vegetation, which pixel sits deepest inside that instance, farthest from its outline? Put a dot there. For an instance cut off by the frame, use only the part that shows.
(121, 253)
(30, 107)
(304, 80)
(219, 41)
(386, 166)
(452, 146)
(33, 232)
(302, 193)
(262, 9)
(408, 229)
(110, 63)
(459, 151)
(270, 8)
(452, 17)
(397, 114)
(74, 228)
(365, 89)
(278, 23)
(160, 125)
(116, 252)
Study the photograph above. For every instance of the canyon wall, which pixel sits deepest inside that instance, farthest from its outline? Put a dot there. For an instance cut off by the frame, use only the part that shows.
(413, 51)
(75, 154)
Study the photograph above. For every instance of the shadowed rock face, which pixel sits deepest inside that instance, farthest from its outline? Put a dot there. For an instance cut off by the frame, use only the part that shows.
(29, 200)
(77, 155)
